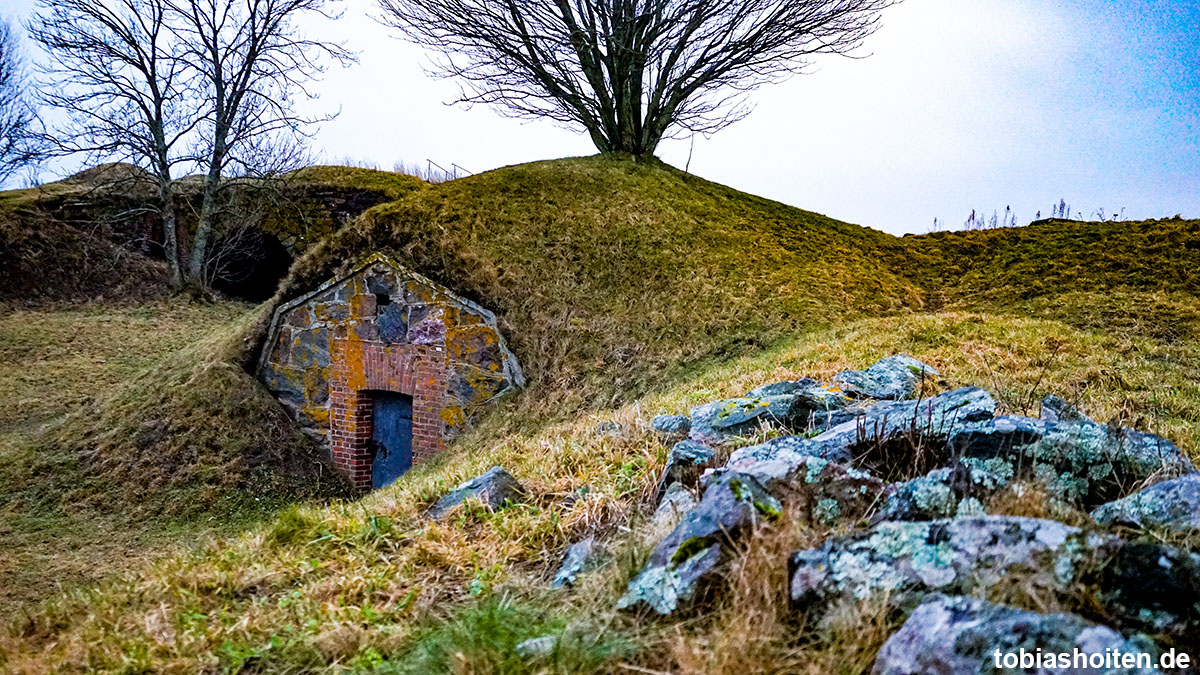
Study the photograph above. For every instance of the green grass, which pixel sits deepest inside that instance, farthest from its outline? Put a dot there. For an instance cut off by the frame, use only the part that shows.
(341, 586)
(626, 290)
(607, 271)
(54, 361)
(1062, 256)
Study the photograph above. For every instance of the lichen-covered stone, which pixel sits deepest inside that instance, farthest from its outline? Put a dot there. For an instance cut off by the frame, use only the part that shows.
(579, 557)
(718, 421)
(784, 387)
(894, 377)
(935, 418)
(1172, 504)
(773, 460)
(830, 490)
(683, 559)
(663, 588)
(941, 493)
(671, 425)
(818, 407)
(675, 503)
(1056, 409)
(1081, 462)
(494, 488)
(684, 463)
(781, 460)
(1141, 586)
(962, 636)
(909, 559)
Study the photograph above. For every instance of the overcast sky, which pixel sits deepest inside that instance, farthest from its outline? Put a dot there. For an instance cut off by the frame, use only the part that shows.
(959, 105)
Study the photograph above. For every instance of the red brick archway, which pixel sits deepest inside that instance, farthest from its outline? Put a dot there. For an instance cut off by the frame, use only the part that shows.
(360, 367)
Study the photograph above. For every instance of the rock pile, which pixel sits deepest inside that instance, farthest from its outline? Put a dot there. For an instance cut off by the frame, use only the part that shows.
(913, 472)
(928, 543)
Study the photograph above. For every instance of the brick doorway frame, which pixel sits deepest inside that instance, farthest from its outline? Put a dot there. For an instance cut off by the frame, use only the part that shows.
(360, 368)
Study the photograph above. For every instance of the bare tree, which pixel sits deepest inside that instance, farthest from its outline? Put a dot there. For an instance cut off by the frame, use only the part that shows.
(629, 72)
(115, 72)
(18, 119)
(254, 63)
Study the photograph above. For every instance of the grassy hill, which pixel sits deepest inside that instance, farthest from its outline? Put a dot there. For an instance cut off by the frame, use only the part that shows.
(626, 290)
(89, 237)
(606, 271)
(1058, 256)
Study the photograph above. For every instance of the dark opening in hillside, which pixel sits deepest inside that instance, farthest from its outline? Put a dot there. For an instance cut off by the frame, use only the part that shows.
(248, 263)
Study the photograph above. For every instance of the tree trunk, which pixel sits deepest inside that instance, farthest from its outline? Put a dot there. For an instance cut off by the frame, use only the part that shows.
(166, 200)
(208, 214)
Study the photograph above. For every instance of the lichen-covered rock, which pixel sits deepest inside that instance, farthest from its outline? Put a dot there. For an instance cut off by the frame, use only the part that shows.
(966, 636)
(784, 387)
(1141, 586)
(495, 488)
(671, 425)
(579, 557)
(830, 490)
(941, 493)
(1081, 462)
(819, 408)
(675, 502)
(782, 459)
(936, 419)
(833, 491)
(771, 461)
(684, 463)
(1173, 504)
(718, 421)
(894, 377)
(910, 559)
(1056, 409)
(682, 560)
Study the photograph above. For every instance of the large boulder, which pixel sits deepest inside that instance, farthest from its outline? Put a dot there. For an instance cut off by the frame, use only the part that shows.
(967, 636)
(894, 377)
(494, 488)
(685, 557)
(1173, 504)
(1082, 462)
(1142, 586)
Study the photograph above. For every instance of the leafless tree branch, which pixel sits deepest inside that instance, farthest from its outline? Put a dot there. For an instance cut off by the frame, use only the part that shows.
(628, 72)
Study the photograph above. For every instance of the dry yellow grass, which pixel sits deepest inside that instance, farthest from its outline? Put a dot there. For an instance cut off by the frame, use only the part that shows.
(359, 585)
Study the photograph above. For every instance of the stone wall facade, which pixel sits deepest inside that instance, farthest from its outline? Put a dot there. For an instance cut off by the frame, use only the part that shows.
(384, 328)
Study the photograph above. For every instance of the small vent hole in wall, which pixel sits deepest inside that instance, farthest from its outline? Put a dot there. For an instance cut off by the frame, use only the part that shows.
(382, 300)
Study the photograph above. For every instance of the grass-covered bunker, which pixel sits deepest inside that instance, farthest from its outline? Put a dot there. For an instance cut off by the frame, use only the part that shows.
(383, 366)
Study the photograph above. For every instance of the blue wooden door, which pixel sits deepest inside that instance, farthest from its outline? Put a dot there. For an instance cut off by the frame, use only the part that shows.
(392, 438)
